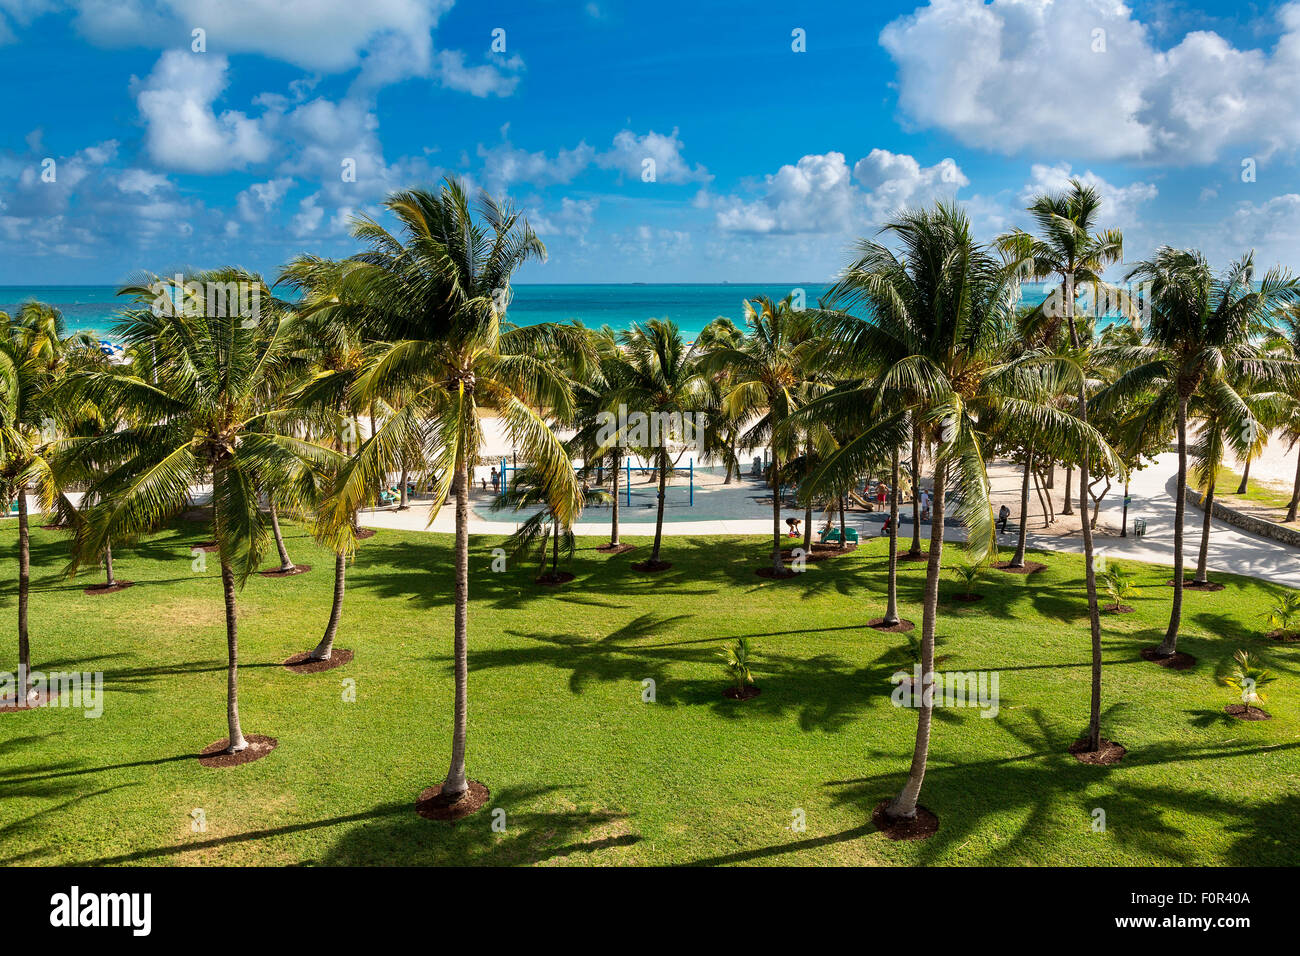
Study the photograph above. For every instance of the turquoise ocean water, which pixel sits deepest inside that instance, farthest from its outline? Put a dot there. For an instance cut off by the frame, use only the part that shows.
(93, 308)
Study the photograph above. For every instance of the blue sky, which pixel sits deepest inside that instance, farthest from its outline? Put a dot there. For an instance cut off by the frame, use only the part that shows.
(768, 161)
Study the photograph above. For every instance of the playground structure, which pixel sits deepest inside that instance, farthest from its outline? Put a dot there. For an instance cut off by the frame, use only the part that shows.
(642, 468)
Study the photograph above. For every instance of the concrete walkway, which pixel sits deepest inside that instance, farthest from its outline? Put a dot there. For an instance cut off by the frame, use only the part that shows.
(1231, 549)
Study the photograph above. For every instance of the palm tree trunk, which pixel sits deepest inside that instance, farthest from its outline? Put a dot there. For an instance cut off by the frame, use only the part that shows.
(1089, 572)
(1202, 559)
(903, 806)
(24, 586)
(891, 605)
(1068, 507)
(1295, 495)
(844, 541)
(286, 563)
(1245, 477)
(555, 551)
(109, 580)
(613, 521)
(236, 742)
(1123, 525)
(325, 649)
(915, 550)
(455, 783)
(659, 515)
(404, 503)
(1170, 644)
(1019, 560)
(777, 566)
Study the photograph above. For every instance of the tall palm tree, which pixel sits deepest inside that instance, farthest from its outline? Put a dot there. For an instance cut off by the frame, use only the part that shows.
(1284, 341)
(662, 380)
(436, 293)
(1068, 247)
(1202, 330)
(940, 312)
(771, 373)
(204, 418)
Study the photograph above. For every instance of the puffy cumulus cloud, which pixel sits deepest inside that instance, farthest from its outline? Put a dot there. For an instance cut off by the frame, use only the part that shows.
(258, 200)
(814, 195)
(327, 36)
(1085, 77)
(896, 180)
(504, 164)
(1119, 203)
(818, 194)
(573, 217)
(1273, 226)
(183, 131)
(629, 152)
(495, 77)
(90, 205)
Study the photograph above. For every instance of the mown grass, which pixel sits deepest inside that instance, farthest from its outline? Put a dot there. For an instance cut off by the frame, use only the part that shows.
(585, 771)
(1272, 495)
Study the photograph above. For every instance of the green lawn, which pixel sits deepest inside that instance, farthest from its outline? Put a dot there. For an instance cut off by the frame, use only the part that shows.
(1274, 495)
(588, 773)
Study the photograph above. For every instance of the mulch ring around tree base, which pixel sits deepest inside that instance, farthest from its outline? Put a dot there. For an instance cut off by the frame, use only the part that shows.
(820, 552)
(967, 598)
(1177, 661)
(363, 533)
(748, 693)
(55, 527)
(652, 567)
(914, 557)
(920, 827)
(9, 705)
(207, 547)
(1286, 637)
(278, 573)
(1190, 585)
(1122, 609)
(302, 664)
(1029, 567)
(1109, 752)
(767, 571)
(555, 579)
(432, 806)
(1247, 712)
(878, 623)
(214, 754)
(107, 588)
(612, 549)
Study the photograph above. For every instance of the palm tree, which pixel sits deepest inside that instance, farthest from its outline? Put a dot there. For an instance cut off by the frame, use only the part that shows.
(204, 418)
(659, 379)
(939, 316)
(528, 490)
(937, 321)
(1200, 332)
(1285, 341)
(771, 372)
(436, 293)
(1070, 248)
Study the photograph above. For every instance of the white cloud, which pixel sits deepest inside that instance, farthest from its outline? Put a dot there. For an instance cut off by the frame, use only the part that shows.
(1085, 77)
(817, 194)
(492, 78)
(259, 199)
(504, 164)
(1119, 203)
(1271, 224)
(629, 153)
(327, 36)
(183, 130)
(573, 218)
